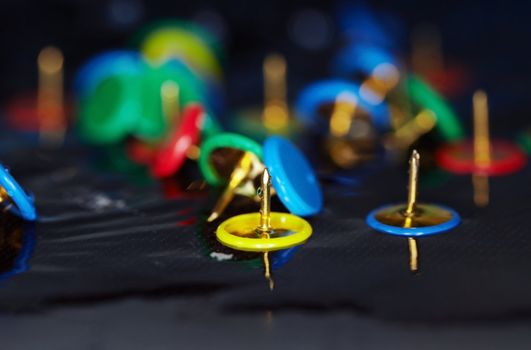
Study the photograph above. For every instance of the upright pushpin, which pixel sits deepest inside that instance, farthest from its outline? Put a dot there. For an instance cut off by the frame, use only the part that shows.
(43, 112)
(274, 116)
(481, 157)
(264, 231)
(294, 180)
(413, 219)
(50, 100)
(13, 198)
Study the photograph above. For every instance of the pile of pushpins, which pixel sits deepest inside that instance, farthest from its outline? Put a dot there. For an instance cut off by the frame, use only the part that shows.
(160, 105)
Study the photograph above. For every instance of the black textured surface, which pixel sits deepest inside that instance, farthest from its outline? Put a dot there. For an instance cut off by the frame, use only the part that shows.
(101, 235)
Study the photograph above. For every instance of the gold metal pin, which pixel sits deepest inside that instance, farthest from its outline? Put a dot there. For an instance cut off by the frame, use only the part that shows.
(342, 114)
(50, 99)
(412, 183)
(383, 79)
(238, 176)
(169, 93)
(411, 131)
(482, 154)
(265, 203)
(275, 115)
(411, 206)
(265, 220)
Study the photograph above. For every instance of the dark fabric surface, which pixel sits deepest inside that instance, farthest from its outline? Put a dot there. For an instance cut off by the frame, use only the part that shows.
(102, 234)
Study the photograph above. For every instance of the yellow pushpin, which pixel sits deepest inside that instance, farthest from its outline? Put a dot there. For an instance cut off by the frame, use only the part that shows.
(264, 231)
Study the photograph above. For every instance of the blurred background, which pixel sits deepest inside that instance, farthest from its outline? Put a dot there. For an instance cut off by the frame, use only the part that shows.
(489, 37)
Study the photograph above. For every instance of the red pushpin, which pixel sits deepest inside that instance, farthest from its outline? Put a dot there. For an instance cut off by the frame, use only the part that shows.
(481, 157)
(166, 158)
(44, 111)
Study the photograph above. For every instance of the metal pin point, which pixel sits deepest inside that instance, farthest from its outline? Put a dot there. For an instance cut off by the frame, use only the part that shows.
(238, 175)
(265, 220)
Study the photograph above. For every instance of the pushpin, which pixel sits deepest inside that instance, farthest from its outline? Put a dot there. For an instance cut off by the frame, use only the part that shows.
(275, 114)
(264, 231)
(14, 198)
(413, 219)
(274, 118)
(143, 152)
(481, 157)
(336, 109)
(44, 112)
(167, 156)
(104, 65)
(130, 105)
(188, 41)
(325, 93)
(183, 143)
(294, 180)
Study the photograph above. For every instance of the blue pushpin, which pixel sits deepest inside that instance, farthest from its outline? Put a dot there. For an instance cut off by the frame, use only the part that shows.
(105, 65)
(293, 177)
(13, 197)
(326, 92)
(413, 219)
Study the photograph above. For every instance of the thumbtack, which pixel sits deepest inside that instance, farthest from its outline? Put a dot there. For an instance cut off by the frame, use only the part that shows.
(480, 156)
(413, 219)
(264, 231)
